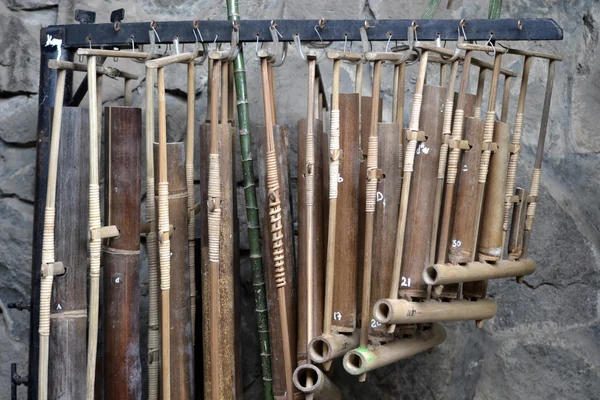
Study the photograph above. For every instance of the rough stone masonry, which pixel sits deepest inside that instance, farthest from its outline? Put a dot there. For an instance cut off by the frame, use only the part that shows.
(543, 344)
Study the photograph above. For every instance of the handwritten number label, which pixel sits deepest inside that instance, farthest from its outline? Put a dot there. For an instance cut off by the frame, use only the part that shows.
(337, 316)
(340, 179)
(379, 196)
(405, 282)
(411, 313)
(375, 324)
(456, 243)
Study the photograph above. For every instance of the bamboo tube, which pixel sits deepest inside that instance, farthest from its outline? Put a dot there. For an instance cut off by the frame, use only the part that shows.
(370, 200)
(181, 361)
(444, 274)
(214, 225)
(318, 254)
(409, 158)
(224, 93)
(386, 216)
(480, 89)
(121, 255)
(537, 167)
(362, 360)
(466, 193)
(409, 312)
(517, 228)
(94, 224)
(421, 204)
(312, 381)
(505, 98)
(515, 146)
(281, 140)
(325, 348)
(68, 311)
(151, 244)
(443, 75)
(127, 95)
(443, 158)
(191, 204)
(48, 248)
(278, 248)
(399, 89)
(453, 161)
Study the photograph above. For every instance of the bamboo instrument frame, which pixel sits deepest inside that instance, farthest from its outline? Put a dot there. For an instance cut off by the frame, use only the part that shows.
(276, 231)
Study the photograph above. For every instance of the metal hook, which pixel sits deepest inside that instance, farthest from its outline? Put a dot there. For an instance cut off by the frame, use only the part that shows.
(461, 26)
(235, 41)
(387, 46)
(491, 43)
(132, 44)
(275, 35)
(299, 45)
(438, 40)
(176, 44)
(345, 41)
(256, 49)
(414, 27)
(153, 27)
(411, 49)
(318, 34)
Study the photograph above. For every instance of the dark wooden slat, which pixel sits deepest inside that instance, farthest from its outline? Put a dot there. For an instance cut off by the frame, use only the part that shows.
(68, 318)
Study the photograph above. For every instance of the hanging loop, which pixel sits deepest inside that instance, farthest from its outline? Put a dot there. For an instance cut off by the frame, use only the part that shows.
(275, 35)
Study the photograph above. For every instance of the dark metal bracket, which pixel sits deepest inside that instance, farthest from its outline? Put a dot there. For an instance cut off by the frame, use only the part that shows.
(308, 30)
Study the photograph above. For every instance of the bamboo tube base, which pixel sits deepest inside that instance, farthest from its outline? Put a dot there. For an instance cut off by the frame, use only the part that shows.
(311, 381)
(328, 347)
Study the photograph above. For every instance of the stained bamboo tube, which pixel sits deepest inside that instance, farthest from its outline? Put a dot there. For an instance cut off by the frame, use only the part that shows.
(515, 146)
(409, 158)
(453, 161)
(386, 217)
(151, 243)
(48, 247)
(370, 200)
(409, 312)
(466, 193)
(68, 311)
(318, 255)
(181, 361)
(362, 360)
(517, 228)
(537, 167)
(342, 314)
(121, 255)
(281, 141)
(444, 274)
(421, 204)
(214, 226)
(313, 382)
(277, 232)
(490, 237)
(443, 157)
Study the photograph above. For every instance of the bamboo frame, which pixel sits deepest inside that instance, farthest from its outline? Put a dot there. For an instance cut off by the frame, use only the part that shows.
(275, 217)
(409, 159)
(48, 250)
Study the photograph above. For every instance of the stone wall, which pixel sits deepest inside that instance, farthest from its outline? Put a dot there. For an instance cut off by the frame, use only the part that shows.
(543, 344)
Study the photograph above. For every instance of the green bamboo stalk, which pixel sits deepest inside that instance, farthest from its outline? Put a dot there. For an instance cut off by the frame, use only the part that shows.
(258, 276)
(495, 9)
(431, 9)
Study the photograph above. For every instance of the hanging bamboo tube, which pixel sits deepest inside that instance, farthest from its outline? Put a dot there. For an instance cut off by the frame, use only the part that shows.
(121, 256)
(191, 202)
(151, 243)
(445, 274)
(370, 200)
(537, 167)
(517, 227)
(362, 360)
(68, 311)
(277, 239)
(412, 135)
(50, 267)
(313, 382)
(443, 157)
(181, 361)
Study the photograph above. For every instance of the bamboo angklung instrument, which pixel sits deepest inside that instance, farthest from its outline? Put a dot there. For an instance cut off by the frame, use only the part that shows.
(343, 149)
(164, 244)
(275, 215)
(181, 361)
(68, 311)
(121, 255)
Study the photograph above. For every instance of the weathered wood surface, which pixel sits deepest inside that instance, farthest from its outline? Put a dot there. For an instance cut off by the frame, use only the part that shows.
(68, 314)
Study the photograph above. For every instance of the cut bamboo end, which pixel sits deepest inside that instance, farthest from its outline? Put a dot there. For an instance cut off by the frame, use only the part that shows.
(329, 347)
(362, 360)
(392, 311)
(445, 274)
(310, 380)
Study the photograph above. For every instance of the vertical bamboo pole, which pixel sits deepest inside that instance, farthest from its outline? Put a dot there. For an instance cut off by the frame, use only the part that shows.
(191, 202)
(164, 243)
(537, 167)
(151, 243)
(480, 89)
(94, 215)
(214, 224)
(48, 254)
(276, 222)
(252, 216)
(409, 159)
(505, 98)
